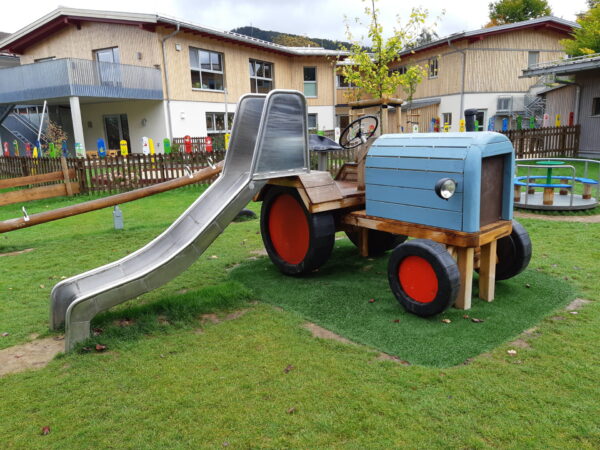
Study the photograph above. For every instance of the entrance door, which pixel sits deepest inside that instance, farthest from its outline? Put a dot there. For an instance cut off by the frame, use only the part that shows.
(480, 116)
(116, 129)
(108, 66)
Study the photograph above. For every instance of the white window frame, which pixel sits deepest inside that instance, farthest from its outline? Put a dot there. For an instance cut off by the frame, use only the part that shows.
(596, 103)
(339, 80)
(200, 70)
(433, 67)
(310, 82)
(255, 78)
(444, 116)
(316, 117)
(213, 115)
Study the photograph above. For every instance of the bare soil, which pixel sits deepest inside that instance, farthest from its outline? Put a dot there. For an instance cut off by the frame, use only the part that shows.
(32, 355)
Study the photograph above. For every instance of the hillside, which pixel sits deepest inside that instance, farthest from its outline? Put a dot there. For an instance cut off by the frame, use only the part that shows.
(294, 40)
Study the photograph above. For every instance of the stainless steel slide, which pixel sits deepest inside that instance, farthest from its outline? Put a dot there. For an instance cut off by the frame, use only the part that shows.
(269, 140)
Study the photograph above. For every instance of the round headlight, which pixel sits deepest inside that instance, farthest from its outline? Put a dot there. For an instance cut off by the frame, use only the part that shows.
(445, 188)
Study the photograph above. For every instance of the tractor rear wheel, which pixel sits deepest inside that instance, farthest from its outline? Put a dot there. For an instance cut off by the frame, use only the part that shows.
(297, 241)
(423, 277)
(513, 252)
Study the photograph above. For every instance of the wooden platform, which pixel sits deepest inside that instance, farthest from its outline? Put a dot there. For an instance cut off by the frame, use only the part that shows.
(463, 247)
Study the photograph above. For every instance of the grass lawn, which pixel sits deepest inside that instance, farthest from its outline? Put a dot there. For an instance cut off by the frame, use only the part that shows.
(185, 368)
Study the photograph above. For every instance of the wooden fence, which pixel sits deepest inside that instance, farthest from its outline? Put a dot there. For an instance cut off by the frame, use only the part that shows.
(113, 174)
(551, 142)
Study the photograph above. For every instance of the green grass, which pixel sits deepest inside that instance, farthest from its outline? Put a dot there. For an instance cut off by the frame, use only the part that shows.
(337, 298)
(171, 379)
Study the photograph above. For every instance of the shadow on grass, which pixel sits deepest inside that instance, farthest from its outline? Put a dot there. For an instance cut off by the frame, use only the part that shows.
(337, 298)
(131, 322)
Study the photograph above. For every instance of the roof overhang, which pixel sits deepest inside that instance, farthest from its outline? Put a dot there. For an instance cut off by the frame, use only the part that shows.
(565, 67)
(64, 17)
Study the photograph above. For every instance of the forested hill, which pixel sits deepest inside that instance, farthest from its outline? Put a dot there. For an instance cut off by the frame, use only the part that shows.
(291, 40)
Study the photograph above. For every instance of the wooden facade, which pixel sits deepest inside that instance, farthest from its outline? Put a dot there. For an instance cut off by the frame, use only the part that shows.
(144, 48)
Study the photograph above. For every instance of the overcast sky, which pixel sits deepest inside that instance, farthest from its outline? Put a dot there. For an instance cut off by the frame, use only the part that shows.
(314, 18)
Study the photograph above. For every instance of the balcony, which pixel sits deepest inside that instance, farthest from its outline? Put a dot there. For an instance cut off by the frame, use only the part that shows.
(70, 77)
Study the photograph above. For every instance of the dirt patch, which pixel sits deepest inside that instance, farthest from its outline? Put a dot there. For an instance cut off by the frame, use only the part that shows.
(260, 252)
(386, 357)
(20, 252)
(320, 332)
(580, 219)
(577, 304)
(32, 355)
(236, 314)
(213, 318)
(520, 343)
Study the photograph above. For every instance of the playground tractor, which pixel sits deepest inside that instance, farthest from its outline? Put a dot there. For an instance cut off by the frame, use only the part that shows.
(452, 192)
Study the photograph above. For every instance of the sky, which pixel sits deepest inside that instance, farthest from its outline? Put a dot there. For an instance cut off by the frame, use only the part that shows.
(314, 18)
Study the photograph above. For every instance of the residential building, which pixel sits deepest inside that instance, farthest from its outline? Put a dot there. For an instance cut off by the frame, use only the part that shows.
(480, 70)
(115, 75)
(576, 89)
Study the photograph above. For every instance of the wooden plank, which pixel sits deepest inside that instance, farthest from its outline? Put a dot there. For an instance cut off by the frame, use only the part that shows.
(26, 195)
(465, 266)
(487, 271)
(414, 214)
(67, 176)
(316, 178)
(321, 194)
(410, 178)
(418, 164)
(423, 198)
(363, 242)
(348, 202)
(289, 182)
(33, 179)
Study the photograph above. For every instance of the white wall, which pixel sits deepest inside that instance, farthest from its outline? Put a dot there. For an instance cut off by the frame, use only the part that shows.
(136, 110)
(189, 118)
(325, 116)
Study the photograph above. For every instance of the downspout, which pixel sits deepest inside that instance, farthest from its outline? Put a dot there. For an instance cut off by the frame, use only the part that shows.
(166, 72)
(462, 87)
(577, 102)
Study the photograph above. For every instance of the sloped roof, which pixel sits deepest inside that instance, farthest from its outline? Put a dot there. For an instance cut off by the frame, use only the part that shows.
(62, 17)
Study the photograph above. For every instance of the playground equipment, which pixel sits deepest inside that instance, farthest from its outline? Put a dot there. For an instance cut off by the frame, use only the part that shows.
(539, 174)
(452, 192)
(269, 140)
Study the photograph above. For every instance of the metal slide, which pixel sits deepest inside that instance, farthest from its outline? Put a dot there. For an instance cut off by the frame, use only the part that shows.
(269, 140)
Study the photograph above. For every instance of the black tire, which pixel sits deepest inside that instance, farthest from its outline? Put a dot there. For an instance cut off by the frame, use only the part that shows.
(513, 252)
(304, 253)
(244, 215)
(379, 241)
(428, 284)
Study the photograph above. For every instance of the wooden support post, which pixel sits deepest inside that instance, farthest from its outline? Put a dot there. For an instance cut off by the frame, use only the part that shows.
(564, 191)
(65, 169)
(587, 191)
(465, 266)
(385, 128)
(517, 193)
(364, 242)
(487, 271)
(548, 196)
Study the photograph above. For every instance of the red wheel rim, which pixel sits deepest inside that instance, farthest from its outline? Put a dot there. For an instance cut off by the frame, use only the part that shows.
(418, 279)
(288, 229)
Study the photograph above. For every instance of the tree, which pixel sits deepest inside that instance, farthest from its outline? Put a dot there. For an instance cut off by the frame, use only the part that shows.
(593, 3)
(586, 40)
(293, 40)
(370, 71)
(511, 11)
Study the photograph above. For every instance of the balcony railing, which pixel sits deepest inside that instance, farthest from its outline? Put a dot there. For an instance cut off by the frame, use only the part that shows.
(78, 77)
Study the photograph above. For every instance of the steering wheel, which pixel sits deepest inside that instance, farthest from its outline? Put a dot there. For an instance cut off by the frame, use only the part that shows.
(359, 131)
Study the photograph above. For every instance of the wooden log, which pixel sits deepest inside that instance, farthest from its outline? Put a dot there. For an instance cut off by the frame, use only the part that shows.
(564, 191)
(93, 205)
(517, 196)
(587, 191)
(487, 271)
(548, 196)
(67, 176)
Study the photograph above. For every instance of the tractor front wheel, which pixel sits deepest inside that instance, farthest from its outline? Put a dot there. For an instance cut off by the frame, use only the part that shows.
(297, 241)
(424, 277)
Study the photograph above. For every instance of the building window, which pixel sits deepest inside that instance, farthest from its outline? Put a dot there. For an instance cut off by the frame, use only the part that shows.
(109, 71)
(401, 70)
(433, 66)
(312, 122)
(342, 120)
(108, 55)
(261, 76)
(116, 129)
(504, 104)
(207, 69)
(310, 81)
(480, 118)
(596, 106)
(215, 122)
(446, 119)
(341, 82)
(532, 58)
